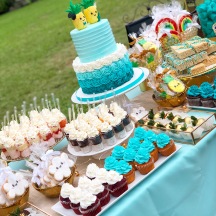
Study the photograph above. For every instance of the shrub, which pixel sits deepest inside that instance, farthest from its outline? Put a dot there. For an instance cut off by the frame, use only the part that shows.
(5, 5)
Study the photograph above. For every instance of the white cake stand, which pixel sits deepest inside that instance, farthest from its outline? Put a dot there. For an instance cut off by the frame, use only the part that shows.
(140, 74)
(102, 153)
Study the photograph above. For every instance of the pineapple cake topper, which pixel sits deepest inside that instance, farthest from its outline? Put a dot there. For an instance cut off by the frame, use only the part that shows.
(77, 16)
(90, 11)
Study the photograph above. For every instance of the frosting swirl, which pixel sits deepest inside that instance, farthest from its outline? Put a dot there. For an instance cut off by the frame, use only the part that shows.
(66, 190)
(151, 136)
(113, 177)
(96, 187)
(162, 140)
(76, 195)
(110, 163)
(118, 152)
(148, 145)
(142, 156)
(129, 154)
(193, 91)
(84, 183)
(87, 200)
(92, 170)
(102, 175)
(140, 133)
(134, 143)
(123, 167)
(206, 90)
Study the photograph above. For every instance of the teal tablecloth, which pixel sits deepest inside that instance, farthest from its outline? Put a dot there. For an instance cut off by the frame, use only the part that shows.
(183, 186)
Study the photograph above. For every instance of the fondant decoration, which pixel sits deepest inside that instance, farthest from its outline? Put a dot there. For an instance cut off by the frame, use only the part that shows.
(183, 22)
(78, 18)
(167, 24)
(174, 84)
(207, 17)
(90, 11)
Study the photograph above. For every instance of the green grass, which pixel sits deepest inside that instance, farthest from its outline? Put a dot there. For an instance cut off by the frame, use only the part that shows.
(36, 50)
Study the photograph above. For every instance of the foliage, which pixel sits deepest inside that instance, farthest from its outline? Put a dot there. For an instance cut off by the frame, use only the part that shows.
(5, 5)
(87, 3)
(74, 8)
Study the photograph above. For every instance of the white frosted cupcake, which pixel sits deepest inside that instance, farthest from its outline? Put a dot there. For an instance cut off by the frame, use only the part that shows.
(75, 199)
(91, 171)
(95, 139)
(66, 190)
(82, 140)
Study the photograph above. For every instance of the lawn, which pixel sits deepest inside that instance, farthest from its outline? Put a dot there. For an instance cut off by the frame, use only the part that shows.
(36, 50)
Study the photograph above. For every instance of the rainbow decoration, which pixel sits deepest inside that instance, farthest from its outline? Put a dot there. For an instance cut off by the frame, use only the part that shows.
(183, 22)
(166, 23)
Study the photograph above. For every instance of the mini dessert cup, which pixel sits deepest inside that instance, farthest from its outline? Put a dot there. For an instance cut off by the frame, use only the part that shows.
(96, 143)
(119, 130)
(207, 102)
(84, 145)
(127, 123)
(65, 194)
(75, 145)
(109, 137)
(145, 168)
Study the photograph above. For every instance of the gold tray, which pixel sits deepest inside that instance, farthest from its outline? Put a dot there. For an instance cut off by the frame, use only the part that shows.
(19, 204)
(174, 101)
(54, 192)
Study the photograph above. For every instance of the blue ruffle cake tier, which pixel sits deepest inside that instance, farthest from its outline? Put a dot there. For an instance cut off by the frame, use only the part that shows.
(94, 42)
(106, 78)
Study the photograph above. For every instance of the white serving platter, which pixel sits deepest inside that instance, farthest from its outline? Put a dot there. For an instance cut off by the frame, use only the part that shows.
(202, 108)
(139, 178)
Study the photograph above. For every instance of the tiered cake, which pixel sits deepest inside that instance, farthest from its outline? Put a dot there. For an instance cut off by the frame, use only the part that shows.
(102, 64)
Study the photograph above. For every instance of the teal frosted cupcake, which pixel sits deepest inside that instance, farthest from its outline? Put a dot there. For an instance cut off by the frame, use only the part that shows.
(118, 152)
(165, 144)
(143, 161)
(151, 149)
(134, 143)
(125, 169)
(110, 163)
(140, 133)
(151, 136)
(193, 96)
(129, 156)
(206, 92)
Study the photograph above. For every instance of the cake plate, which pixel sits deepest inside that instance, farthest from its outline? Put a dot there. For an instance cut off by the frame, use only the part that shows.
(102, 153)
(140, 74)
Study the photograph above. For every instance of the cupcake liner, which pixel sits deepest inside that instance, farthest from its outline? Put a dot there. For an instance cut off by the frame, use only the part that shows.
(66, 203)
(95, 140)
(214, 101)
(207, 102)
(83, 143)
(146, 167)
(75, 145)
(154, 154)
(132, 163)
(168, 149)
(76, 208)
(98, 147)
(92, 210)
(108, 134)
(130, 176)
(126, 120)
(104, 197)
(118, 188)
(118, 128)
(194, 101)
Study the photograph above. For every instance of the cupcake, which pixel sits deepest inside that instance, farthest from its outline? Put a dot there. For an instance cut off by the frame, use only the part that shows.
(127, 123)
(65, 194)
(22, 146)
(151, 148)
(193, 96)
(118, 152)
(84, 183)
(91, 171)
(129, 156)
(110, 163)
(125, 169)
(140, 133)
(102, 176)
(206, 92)
(82, 140)
(95, 139)
(143, 161)
(73, 140)
(151, 136)
(100, 192)
(118, 128)
(117, 184)
(75, 199)
(108, 134)
(134, 143)
(90, 205)
(166, 146)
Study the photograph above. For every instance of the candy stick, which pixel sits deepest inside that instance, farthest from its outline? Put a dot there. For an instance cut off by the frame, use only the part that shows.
(69, 114)
(5, 119)
(42, 102)
(58, 104)
(38, 108)
(47, 104)
(35, 103)
(81, 108)
(24, 107)
(73, 112)
(50, 105)
(31, 107)
(8, 118)
(77, 108)
(46, 97)
(12, 117)
(53, 99)
(15, 113)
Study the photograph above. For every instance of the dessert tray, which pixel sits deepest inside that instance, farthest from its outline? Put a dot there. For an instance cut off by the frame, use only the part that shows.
(202, 107)
(138, 179)
(140, 74)
(101, 153)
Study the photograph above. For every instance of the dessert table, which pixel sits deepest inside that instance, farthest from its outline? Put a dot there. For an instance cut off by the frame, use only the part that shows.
(184, 185)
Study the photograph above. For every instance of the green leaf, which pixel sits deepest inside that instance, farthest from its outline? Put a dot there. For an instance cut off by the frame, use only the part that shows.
(151, 114)
(171, 116)
(162, 115)
(184, 127)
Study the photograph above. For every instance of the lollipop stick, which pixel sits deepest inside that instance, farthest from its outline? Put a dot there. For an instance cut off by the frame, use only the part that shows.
(53, 99)
(31, 107)
(77, 108)
(43, 103)
(50, 105)
(15, 113)
(47, 104)
(69, 114)
(58, 103)
(73, 112)
(8, 118)
(12, 117)
(38, 108)
(35, 103)
(24, 107)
